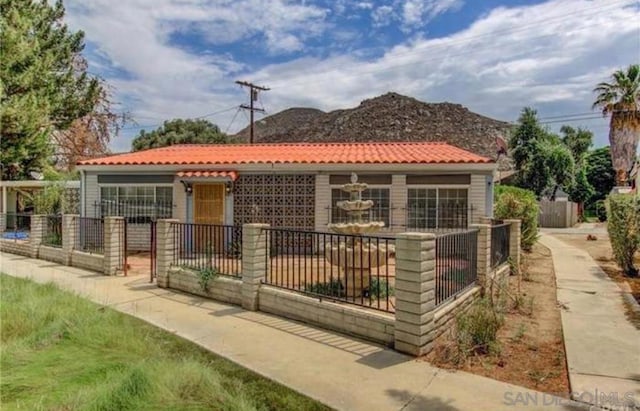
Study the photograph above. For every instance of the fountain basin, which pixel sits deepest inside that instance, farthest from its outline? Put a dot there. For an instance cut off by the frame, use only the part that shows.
(356, 205)
(356, 263)
(357, 228)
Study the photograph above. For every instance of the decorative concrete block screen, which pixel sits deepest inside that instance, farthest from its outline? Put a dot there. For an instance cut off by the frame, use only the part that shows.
(278, 200)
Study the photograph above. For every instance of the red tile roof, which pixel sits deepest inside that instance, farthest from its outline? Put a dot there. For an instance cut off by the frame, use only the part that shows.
(206, 173)
(295, 153)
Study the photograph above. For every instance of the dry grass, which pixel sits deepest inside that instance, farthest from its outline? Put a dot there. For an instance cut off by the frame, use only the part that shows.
(530, 348)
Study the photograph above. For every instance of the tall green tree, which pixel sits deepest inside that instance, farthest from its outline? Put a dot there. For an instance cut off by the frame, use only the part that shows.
(578, 141)
(543, 162)
(527, 150)
(44, 85)
(620, 98)
(180, 131)
(600, 173)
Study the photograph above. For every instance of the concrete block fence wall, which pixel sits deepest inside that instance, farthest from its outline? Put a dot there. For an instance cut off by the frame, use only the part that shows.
(108, 263)
(412, 329)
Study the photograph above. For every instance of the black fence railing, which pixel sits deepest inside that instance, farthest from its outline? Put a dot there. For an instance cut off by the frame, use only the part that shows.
(134, 211)
(456, 264)
(53, 231)
(499, 244)
(208, 247)
(16, 226)
(353, 269)
(442, 218)
(89, 235)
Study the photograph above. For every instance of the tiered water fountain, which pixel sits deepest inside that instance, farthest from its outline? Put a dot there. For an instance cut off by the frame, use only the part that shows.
(355, 256)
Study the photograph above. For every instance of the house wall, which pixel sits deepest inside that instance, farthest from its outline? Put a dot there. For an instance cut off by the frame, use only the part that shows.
(91, 194)
(398, 202)
(478, 197)
(479, 184)
(323, 201)
(179, 200)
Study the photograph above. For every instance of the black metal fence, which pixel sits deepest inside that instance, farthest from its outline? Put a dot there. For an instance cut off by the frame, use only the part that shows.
(16, 226)
(500, 244)
(89, 235)
(53, 231)
(208, 246)
(456, 264)
(353, 269)
(139, 215)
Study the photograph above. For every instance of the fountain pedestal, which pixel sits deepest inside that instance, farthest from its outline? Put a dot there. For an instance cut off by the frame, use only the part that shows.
(354, 256)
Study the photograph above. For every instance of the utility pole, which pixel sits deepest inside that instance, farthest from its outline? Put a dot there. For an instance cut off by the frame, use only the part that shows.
(253, 96)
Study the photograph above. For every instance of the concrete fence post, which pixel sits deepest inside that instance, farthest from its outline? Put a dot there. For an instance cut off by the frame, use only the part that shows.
(113, 249)
(165, 249)
(37, 232)
(254, 262)
(69, 232)
(515, 241)
(484, 254)
(415, 292)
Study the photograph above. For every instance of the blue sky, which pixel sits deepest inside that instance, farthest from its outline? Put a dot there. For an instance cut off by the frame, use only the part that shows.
(179, 58)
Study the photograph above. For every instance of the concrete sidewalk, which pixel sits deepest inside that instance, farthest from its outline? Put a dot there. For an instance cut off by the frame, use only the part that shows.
(342, 372)
(602, 346)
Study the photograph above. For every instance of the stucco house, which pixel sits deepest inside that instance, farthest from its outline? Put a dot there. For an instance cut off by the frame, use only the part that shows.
(415, 186)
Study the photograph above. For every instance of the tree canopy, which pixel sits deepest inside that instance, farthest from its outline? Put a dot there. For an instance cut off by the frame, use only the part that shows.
(543, 161)
(180, 131)
(600, 173)
(44, 84)
(620, 98)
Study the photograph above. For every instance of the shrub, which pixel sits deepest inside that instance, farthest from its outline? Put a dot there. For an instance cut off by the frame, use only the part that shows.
(333, 288)
(518, 203)
(205, 275)
(379, 289)
(601, 210)
(623, 214)
(477, 328)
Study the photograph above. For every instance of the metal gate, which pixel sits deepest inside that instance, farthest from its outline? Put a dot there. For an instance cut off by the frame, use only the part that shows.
(122, 246)
(153, 250)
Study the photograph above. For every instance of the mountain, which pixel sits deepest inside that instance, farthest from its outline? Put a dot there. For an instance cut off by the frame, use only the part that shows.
(390, 117)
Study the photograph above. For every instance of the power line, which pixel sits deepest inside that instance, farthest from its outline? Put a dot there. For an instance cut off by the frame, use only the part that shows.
(232, 120)
(570, 120)
(254, 90)
(193, 118)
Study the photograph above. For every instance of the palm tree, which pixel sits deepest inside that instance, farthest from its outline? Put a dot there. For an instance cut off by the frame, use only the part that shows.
(621, 99)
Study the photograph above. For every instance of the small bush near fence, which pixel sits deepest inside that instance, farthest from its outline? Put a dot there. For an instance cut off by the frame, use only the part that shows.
(475, 332)
(623, 213)
(53, 232)
(521, 204)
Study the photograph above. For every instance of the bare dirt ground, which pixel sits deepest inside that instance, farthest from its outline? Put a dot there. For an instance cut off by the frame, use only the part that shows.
(531, 349)
(600, 250)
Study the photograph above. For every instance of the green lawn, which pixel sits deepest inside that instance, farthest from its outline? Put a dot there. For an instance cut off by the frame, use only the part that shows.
(62, 352)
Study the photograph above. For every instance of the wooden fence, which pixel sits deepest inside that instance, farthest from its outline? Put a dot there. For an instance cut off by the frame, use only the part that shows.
(558, 214)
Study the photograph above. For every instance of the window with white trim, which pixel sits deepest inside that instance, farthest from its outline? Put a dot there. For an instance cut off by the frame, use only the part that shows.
(437, 208)
(139, 204)
(379, 212)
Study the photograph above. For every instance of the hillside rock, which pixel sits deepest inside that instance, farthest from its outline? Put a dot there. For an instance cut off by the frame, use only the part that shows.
(390, 117)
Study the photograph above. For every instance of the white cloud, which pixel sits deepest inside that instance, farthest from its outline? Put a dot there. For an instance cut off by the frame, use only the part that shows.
(382, 16)
(539, 55)
(548, 55)
(412, 14)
